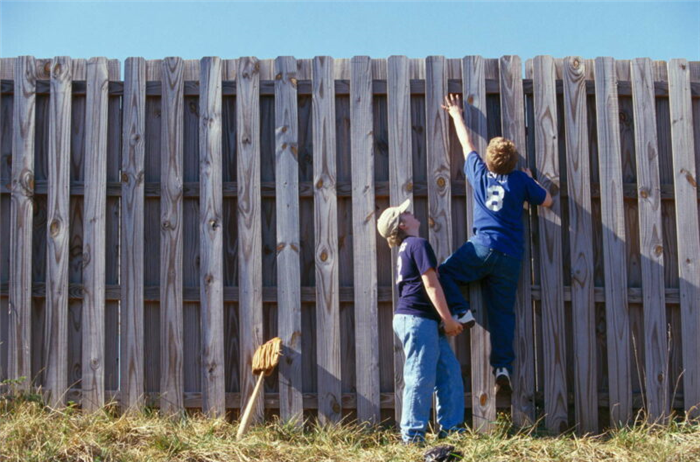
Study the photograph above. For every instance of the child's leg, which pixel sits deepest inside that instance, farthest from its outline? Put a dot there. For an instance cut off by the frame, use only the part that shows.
(500, 289)
(450, 389)
(464, 266)
(419, 337)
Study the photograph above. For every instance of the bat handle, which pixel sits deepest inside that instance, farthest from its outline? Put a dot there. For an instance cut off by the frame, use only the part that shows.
(245, 421)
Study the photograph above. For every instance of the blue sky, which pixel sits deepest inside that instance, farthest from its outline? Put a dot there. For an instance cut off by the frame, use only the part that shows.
(659, 30)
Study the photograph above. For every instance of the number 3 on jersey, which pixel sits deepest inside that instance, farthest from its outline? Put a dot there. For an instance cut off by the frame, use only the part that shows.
(494, 197)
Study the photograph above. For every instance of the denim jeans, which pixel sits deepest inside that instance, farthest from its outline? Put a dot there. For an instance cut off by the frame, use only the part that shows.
(430, 366)
(499, 274)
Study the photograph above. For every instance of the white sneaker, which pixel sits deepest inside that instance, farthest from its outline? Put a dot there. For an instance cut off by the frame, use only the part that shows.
(466, 319)
(503, 380)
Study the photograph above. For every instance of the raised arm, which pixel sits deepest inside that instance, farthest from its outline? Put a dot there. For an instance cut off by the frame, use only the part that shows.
(453, 106)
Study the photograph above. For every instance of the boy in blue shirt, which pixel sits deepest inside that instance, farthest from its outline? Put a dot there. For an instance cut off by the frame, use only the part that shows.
(430, 362)
(494, 251)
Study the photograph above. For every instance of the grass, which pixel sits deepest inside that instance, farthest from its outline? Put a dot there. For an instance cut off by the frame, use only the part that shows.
(30, 431)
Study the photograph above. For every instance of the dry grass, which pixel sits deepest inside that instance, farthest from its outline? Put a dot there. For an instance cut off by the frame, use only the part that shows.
(31, 432)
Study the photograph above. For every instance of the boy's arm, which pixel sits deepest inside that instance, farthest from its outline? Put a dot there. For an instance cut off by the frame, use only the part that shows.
(437, 297)
(548, 201)
(453, 106)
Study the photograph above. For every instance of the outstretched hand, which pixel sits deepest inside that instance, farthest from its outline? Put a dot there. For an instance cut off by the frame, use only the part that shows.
(453, 105)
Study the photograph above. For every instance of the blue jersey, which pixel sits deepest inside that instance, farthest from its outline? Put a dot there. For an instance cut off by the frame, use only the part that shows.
(498, 205)
(415, 257)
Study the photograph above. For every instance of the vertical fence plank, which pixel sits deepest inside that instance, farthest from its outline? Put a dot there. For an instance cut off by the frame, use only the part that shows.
(483, 384)
(94, 231)
(400, 181)
(651, 236)
(513, 126)
(132, 234)
(612, 214)
(171, 236)
(56, 333)
(686, 193)
(547, 162)
(211, 238)
(21, 222)
(288, 235)
(249, 222)
(325, 224)
(439, 187)
(580, 236)
(364, 241)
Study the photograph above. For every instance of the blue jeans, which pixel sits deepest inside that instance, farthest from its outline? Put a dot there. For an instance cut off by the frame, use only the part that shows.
(430, 366)
(499, 274)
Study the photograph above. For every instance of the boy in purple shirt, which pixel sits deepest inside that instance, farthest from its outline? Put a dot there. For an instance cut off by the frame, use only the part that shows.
(430, 362)
(494, 251)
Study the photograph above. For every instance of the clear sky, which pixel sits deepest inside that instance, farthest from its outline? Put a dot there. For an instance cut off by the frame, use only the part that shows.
(659, 30)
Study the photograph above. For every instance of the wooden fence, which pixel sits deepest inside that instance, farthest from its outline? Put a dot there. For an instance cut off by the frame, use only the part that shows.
(156, 229)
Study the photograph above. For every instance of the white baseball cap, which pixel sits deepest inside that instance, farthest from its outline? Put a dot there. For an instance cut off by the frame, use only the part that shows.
(389, 220)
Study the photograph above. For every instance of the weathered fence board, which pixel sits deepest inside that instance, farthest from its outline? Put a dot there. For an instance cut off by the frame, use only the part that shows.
(326, 247)
(685, 185)
(249, 222)
(612, 213)
(364, 241)
(581, 234)
(94, 231)
(650, 229)
(400, 180)
(547, 160)
(171, 237)
(288, 237)
(22, 209)
(56, 328)
(132, 383)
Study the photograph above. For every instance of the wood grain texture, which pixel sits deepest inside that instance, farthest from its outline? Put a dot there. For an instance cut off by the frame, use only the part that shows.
(288, 237)
(326, 237)
(132, 237)
(364, 241)
(685, 184)
(580, 237)
(56, 327)
(483, 384)
(513, 126)
(613, 222)
(21, 222)
(249, 222)
(439, 187)
(651, 237)
(94, 236)
(211, 238)
(400, 181)
(550, 251)
(171, 237)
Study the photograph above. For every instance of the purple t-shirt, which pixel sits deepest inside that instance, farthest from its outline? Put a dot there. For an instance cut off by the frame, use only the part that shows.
(415, 257)
(498, 205)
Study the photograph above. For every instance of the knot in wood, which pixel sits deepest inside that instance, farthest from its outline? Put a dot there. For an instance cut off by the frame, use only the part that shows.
(284, 129)
(26, 181)
(431, 222)
(125, 177)
(166, 225)
(55, 227)
(470, 99)
(278, 76)
(441, 182)
(576, 63)
(336, 407)
(658, 250)
(208, 279)
(483, 398)
(409, 186)
(644, 193)
(47, 67)
(689, 178)
(323, 256)
(319, 184)
(213, 223)
(294, 81)
(660, 377)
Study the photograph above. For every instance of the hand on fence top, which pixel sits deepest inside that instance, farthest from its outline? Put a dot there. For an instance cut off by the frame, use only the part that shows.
(452, 105)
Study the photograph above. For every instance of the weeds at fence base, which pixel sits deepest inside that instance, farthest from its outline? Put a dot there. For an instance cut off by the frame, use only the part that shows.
(32, 431)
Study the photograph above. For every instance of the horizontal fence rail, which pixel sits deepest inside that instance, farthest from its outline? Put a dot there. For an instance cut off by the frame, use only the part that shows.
(156, 228)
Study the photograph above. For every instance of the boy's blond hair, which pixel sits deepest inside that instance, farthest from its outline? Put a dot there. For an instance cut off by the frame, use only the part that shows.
(396, 237)
(501, 156)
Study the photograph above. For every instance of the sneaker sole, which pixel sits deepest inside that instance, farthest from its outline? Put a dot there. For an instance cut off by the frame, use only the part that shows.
(503, 384)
